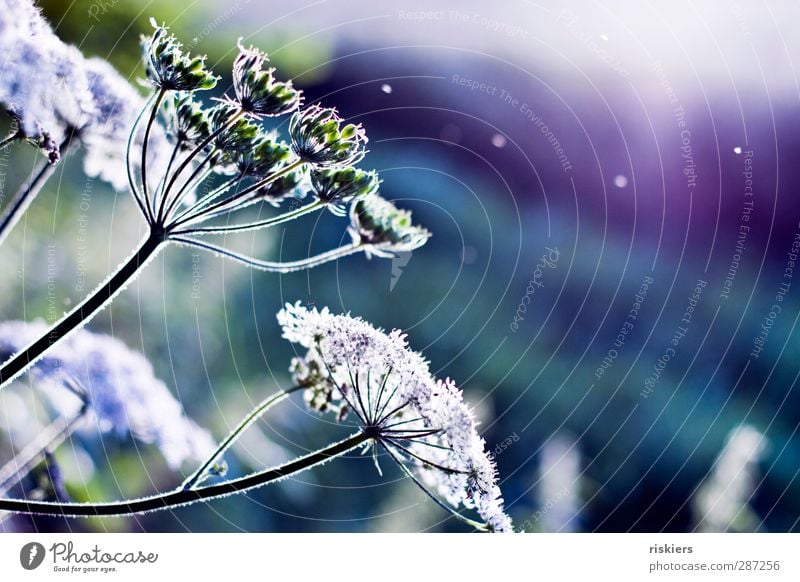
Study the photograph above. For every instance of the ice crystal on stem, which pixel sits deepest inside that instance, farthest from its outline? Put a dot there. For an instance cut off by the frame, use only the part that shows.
(356, 370)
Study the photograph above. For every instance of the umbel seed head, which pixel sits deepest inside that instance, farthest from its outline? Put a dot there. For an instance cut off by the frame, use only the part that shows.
(376, 222)
(264, 157)
(187, 121)
(257, 91)
(242, 135)
(169, 68)
(338, 186)
(287, 186)
(320, 138)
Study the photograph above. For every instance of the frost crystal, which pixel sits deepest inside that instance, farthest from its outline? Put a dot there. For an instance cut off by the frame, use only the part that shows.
(123, 394)
(422, 422)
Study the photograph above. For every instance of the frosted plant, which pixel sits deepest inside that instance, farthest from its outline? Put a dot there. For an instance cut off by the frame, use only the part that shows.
(224, 147)
(722, 502)
(121, 392)
(58, 100)
(355, 370)
(37, 70)
(195, 169)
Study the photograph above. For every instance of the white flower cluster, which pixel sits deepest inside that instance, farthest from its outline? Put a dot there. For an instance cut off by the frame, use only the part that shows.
(54, 93)
(123, 394)
(353, 367)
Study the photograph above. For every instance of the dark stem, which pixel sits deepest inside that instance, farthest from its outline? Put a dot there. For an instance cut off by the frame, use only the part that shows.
(198, 171)
(48, 439)
(239, 195)
(205, 200)
(83, 312)
(143, 168)
(186, 496)
(163, 182)
(15, 135)
(226, 444)
(188, 159)
(25, 195)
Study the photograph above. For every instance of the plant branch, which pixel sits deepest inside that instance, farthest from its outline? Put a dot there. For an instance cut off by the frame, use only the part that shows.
(270, 266)
(13, 136)
(143, 168)
(239, 195)
(187, 160)
(208, 198)
(137, 195)
(25, 195)
(476, 524)
(234, 435)
(83, 312)
(180, 497)
(259, 224)
(52, 436)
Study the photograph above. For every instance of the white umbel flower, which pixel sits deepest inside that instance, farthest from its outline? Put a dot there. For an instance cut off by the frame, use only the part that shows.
(42, 80)
(55, 93)
(421, 422)
(123, 394)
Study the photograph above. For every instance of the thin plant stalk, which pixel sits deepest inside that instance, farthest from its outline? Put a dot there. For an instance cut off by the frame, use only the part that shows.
(208, 198)
(10, 138)
(26, 194)
(239, 195)
(272, 266)
(266, 223)
(85, 310)
(165, 211)
(47, 440)
(143, 168)
(234, 435)
(181, 496)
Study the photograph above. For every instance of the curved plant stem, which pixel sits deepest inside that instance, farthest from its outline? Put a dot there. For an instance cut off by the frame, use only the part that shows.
(266, 223)
(137, 195)
(270, 266)
(52, 436)
(476, 524)
(187, 160)
(234, 435)
(230, 202)
(208, 198)
(143, 168)
(25, 195)
(182, 496)
(11, 137)
(162, 183)
(84, 311)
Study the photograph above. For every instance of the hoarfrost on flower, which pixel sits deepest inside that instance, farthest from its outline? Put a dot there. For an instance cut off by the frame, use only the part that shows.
(352, 368)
